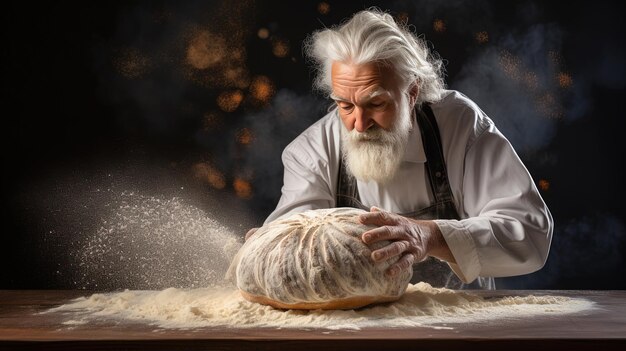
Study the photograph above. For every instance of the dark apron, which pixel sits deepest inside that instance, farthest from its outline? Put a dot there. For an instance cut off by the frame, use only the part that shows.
(432, 270)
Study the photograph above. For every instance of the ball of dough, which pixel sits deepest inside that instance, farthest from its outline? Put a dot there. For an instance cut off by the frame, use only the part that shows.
(315, 260)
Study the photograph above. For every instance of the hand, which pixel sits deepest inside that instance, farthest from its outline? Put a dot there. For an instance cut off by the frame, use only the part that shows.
(411, 240)
(250, 233)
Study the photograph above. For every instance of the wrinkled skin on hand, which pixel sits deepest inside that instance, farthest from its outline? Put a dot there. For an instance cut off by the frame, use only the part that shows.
(412, 240)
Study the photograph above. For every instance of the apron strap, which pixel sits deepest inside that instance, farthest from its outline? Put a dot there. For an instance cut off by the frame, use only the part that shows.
(435, 162)
(347, 190)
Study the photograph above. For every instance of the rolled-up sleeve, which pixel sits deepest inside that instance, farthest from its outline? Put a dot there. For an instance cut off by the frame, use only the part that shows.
(507, 228)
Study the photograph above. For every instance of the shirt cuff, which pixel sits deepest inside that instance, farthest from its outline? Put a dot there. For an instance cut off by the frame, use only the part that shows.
(463, 248)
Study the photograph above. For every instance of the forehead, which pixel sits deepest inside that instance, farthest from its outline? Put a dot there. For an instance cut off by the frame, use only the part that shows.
(367, 76)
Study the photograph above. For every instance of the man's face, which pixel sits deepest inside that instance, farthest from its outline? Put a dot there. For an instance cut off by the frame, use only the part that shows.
(364, 95)
(377, 120)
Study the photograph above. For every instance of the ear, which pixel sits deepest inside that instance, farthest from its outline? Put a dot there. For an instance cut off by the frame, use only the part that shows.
(413, 92)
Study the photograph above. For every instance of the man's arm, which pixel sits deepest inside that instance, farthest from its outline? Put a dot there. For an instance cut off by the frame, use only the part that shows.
(304, 185)
(508, 228)
(304, 188)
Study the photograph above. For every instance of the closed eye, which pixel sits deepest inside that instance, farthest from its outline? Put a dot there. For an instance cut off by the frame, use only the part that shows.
(344, 106)
(377, 104)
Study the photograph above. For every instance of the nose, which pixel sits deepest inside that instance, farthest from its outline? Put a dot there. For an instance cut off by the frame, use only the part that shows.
(362, 121)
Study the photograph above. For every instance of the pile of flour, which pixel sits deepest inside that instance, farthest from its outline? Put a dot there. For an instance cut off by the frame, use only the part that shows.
(421, 306)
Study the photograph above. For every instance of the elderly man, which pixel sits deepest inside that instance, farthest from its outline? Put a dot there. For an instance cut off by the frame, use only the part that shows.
(442, 184)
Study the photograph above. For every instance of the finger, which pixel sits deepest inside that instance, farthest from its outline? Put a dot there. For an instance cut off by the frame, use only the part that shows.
(381, 233)
(404, 263)
(378, 217)
(250, 233)
(394, 249)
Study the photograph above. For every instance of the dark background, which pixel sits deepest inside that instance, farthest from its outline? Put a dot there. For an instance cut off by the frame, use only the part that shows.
(197, 100)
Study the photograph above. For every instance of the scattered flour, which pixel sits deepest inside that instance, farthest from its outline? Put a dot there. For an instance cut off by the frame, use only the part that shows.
(421, 306)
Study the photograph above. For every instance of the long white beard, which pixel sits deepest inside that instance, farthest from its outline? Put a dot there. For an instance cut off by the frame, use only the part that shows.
(376, 154)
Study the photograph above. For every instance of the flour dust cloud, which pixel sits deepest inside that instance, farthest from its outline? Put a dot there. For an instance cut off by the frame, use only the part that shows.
(154, 242)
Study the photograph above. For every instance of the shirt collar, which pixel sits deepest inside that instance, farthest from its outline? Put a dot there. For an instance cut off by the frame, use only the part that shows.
(414, 148)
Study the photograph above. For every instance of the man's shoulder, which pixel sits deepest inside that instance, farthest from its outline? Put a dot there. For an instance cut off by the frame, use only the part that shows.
(460, 118)
(456, 109)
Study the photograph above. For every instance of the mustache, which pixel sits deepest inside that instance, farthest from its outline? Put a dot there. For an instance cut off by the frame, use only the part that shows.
(373, 134)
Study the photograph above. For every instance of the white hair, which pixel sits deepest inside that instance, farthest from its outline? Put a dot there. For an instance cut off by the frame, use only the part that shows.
(373, 36)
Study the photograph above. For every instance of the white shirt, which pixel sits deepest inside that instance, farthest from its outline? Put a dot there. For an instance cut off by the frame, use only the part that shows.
(506, 227)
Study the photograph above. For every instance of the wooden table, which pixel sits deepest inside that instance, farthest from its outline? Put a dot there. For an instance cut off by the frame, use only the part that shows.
(599, 329)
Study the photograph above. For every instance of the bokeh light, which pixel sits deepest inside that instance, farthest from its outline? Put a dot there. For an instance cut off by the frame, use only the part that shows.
(280, 47)
(263, 33)
(229, 101)
(481, 37)
(245, 136)
(323, 8)
(439, 25)
(262, 89)
(205, 49)
(243, 188)
(207, 173)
